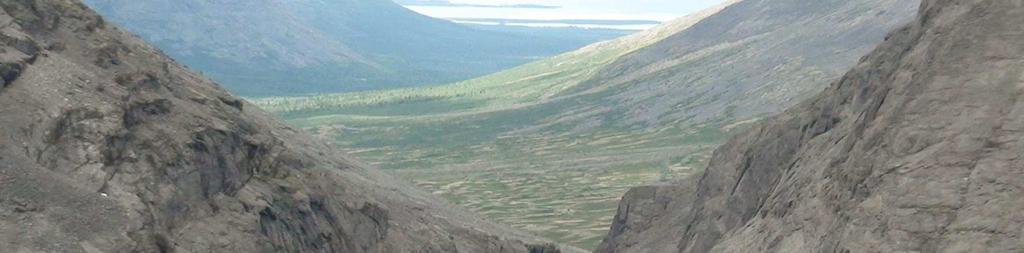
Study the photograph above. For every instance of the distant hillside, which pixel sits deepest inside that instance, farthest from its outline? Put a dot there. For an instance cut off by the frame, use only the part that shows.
(750, 60)
(567, 135)
(267, 47)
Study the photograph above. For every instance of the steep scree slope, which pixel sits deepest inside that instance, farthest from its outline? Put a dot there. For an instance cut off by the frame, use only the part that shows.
(106, 145)
(917, 149)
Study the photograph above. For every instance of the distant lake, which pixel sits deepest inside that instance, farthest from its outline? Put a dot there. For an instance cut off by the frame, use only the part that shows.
(540, 17)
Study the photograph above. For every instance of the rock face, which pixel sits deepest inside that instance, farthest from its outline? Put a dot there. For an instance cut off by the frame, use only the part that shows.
(106, 145)
(917, 149)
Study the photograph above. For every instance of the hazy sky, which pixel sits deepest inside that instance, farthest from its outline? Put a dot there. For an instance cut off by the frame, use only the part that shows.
(575, 9)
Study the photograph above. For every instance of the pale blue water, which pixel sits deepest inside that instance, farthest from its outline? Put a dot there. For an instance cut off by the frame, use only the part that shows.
(655, 10)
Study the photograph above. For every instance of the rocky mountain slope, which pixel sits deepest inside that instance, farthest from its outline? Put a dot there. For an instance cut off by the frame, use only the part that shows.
(917, 149)
(752, 59)
(106, 145)
(594, 122)
(272, 47)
